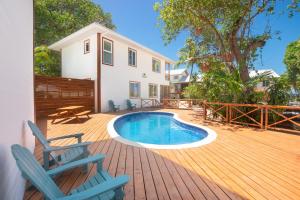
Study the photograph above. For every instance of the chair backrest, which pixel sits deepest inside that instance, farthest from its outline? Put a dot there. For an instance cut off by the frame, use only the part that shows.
(38, 133)
(111, 105)
(33, 171)
(129, 104)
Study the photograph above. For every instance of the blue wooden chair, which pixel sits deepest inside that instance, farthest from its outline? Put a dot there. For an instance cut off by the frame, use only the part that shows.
(130, 106)
(101, 186)
(113, 107)
(68, 153)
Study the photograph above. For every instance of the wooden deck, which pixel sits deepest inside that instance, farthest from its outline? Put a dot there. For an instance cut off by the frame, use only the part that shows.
(242, 163)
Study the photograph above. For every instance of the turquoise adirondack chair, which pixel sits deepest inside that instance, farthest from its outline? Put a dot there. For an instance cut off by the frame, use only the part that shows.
(101, 186)
(69, 153)
(113, 107)
(130, 106)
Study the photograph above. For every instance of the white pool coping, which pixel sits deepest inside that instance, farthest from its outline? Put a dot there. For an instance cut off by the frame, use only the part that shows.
(211, 135)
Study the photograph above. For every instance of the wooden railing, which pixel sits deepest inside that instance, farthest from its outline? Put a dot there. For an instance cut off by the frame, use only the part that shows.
(150, 103)
(281, 118)
(180, 103)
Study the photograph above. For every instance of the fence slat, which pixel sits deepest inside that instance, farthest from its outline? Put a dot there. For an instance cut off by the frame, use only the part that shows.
(55, 92)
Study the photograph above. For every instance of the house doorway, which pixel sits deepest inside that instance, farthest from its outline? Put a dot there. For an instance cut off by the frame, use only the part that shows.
(164, 92)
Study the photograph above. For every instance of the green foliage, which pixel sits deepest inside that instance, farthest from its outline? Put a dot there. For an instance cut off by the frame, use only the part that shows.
(292, 61)
(56, 19)
(216, 85)
(45, 62)
(279, 91)
(218, 29)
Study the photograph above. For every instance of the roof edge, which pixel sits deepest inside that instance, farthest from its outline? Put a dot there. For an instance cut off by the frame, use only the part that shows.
(96, 27)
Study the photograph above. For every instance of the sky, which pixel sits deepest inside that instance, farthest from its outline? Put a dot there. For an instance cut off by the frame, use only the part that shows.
(137, 20)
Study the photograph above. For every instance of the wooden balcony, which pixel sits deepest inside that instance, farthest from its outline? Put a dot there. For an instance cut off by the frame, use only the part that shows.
(242, 163)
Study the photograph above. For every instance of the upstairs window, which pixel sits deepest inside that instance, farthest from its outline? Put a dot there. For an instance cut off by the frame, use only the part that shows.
(132, 57)
(266, 83)
(167, 71)
(156, 65)
(107, 51)
(134, 89)
(152, 90)
(86, 46)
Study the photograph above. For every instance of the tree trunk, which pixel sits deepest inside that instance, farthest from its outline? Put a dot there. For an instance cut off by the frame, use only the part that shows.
(244, 73)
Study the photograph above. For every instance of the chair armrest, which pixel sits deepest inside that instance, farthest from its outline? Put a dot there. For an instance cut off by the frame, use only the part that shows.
(99, 189)
(83, 144)
(71, 165)
(76, 135)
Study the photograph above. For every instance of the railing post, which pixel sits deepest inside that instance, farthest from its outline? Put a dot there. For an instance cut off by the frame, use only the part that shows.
(262, 117)
(205, 111)
(141, 103)
(266, 118)
(227, 117)
(230, 114)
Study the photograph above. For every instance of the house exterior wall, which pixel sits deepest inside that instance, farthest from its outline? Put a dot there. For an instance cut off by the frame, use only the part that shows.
(16, 89)
(76, 64)
(114, 79)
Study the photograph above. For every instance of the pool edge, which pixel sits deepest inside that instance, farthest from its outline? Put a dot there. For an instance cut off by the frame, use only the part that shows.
(211, 134)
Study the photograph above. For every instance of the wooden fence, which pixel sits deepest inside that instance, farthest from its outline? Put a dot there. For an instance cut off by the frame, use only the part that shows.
(281, 118)
(55, 92)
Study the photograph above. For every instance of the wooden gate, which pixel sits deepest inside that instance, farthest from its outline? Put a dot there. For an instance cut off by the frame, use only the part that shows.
(55, 92)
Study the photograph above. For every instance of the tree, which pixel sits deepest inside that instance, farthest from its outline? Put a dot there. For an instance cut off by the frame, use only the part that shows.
(279, 91)
(56, 19)
(219, 29)
(45, 63)
(217, 85)
(292, 61)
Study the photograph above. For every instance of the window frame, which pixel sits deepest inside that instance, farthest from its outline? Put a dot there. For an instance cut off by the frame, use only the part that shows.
(135, 51)
(159, 65)
(167, 71)
(112, 51)
(84, 46)
(153, 84)
(139, 92)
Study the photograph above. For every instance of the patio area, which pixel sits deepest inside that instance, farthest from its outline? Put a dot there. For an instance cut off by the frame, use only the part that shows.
(242, 163)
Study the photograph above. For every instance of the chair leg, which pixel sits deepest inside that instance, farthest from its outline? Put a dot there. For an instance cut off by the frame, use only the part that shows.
(46, 160)
(119, 194)
(85, 167)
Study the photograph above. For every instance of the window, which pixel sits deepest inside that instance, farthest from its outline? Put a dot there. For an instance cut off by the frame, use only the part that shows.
(266, 83)
(132, 57)
(134, 89)
(86, 46)
(175, 77)
(107, 51)
(167, 71)
(152, 90)
(155, 65)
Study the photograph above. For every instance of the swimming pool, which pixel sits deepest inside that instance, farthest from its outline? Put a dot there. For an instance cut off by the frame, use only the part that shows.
(161, 130)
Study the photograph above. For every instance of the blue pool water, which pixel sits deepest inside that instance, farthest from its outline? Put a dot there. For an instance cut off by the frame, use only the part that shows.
(157, 128)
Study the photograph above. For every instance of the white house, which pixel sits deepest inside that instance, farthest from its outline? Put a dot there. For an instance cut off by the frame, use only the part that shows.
(16, 89)
(263, 85)
(179, 79)
(122, 68)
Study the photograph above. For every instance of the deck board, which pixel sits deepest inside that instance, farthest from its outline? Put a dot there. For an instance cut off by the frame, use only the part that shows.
(242, 163)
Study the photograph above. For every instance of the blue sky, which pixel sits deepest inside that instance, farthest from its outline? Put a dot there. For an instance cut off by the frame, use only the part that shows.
(137, 20)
